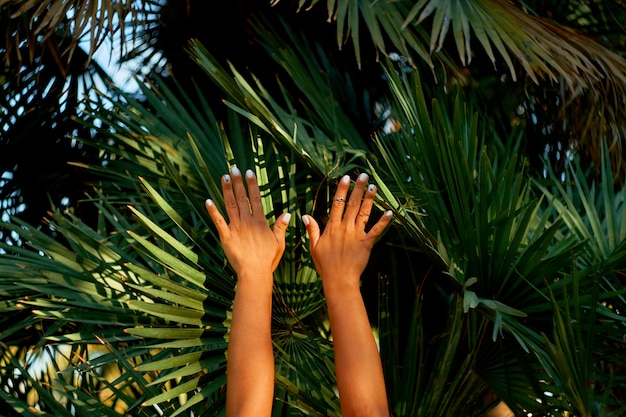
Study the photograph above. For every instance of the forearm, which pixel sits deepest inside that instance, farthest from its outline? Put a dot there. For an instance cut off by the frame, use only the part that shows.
(358, 367)
(340, 255)
(250, 366)
(254, 251)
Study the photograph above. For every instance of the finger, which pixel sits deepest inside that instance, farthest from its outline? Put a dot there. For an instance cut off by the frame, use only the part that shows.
(254, 195)
(354, 202)
(366, 207)
(240, 193)
(313, 229)
(339, 201)
(280, 229)
(218, 219)
(378, 228)
(229, 199)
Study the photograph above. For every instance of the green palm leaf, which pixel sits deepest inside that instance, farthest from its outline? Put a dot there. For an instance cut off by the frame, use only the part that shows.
(141, 300)
(116, 21)
(498, 240)
(158, 284)
(542, 47)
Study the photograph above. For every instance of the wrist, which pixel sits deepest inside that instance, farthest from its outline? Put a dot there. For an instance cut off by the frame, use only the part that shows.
(258, 279)
(341, 286)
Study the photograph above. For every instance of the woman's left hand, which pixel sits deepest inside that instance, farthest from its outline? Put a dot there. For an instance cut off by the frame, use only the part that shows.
(341, 253)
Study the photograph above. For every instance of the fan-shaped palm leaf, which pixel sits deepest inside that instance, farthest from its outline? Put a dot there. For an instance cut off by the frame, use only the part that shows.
(501, 246)
(156, 289)
(41, 21)
(509, 35)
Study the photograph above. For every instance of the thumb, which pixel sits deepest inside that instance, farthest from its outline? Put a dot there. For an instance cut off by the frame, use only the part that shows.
(280, 227)
(279, 230)
(312, 228)
(379, 227)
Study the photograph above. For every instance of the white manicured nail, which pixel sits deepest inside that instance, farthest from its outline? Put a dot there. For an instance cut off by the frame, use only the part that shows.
(227, 178)
(363, 177)
(371, 188)
(305, 220)
(249, 174)
(208, 202)
(235, 171)
(345, 179)
(389, 213)
(286, 217)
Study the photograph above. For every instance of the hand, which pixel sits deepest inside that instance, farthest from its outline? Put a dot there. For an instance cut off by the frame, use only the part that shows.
(341, 253)
(252, 248)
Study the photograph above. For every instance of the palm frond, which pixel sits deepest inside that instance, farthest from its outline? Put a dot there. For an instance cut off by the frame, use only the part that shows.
(42, 21)
(331, 145)
(132, 313)
(494, 239)
(508, 35)
(156, 286)
(543, 48)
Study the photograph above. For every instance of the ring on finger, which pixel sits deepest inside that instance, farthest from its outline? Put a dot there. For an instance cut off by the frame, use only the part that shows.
(340, 199)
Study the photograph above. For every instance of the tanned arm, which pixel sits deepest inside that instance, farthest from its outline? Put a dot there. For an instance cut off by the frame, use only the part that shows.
(253, 250)
(340, 255)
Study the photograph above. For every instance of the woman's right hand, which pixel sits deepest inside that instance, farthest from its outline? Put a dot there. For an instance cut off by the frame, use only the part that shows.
(252, 248)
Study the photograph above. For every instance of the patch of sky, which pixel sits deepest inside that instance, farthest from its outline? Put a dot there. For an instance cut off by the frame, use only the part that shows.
(124, 73)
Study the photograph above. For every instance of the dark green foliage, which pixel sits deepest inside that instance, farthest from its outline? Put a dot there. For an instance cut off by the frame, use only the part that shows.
(493, 283)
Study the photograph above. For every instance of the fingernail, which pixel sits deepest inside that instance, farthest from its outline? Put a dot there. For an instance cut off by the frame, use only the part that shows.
(226, 178)
(305, 220)
(363, 177)
(371, 188)
(389, 213)
(208, 202)
(249, 174)
(286, 217)
(345, 179)
(235, 171)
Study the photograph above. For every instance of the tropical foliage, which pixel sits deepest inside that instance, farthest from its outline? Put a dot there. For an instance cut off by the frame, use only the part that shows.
(498, 281)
